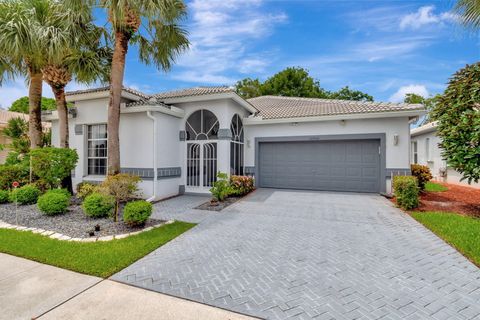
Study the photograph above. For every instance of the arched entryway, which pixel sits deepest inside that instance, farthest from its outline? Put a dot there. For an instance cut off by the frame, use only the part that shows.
(236, 146)
(201, 131)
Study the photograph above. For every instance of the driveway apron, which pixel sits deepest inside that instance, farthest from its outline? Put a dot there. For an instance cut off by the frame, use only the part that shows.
(281, 254)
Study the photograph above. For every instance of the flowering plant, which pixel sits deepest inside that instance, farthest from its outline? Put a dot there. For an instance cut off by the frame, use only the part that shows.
(241, 185)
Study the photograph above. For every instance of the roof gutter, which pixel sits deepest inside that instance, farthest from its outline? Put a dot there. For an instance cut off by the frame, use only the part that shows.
(391, 114)
(155, 178)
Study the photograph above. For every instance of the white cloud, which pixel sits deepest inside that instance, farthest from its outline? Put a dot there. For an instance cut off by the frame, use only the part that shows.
(221, 35)
(419, 89)
(425, 16)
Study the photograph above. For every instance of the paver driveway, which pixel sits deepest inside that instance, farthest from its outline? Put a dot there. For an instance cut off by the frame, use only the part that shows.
(280, 254)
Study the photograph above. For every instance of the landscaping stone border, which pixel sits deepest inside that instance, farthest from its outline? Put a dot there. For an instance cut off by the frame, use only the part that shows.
(59, 236)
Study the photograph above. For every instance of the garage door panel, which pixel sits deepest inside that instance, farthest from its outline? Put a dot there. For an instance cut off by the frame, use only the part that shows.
(320, 165)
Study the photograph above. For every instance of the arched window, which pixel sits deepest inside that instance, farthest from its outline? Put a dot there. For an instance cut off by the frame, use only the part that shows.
(236, 146)
(202, 125)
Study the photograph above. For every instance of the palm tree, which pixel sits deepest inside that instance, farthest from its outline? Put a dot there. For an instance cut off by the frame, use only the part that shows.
(19, 56)
(32, 33)
(469, 12)
(153, 25)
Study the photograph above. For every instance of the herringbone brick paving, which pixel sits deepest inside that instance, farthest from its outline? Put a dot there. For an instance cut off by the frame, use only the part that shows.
(303, 255)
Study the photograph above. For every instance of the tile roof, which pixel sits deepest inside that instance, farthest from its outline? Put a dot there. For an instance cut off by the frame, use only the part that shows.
(196, 91)
(147, 102)
(106, 88)
(278, 107)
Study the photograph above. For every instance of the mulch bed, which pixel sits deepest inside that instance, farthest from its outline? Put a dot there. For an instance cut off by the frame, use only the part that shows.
(218, 206)
(460, 199)
(73, 223)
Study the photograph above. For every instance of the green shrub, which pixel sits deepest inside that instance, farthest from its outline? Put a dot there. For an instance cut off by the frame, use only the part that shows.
(54, 202)
(136, 213)
(98, 205)
(422, 173)
(221, 188)
(241, 185)
(11, 173)
(4, 194)
(61, 191)
(85, 189)
(52, 165)
(123, 187)
(27, 194)
(406, 191)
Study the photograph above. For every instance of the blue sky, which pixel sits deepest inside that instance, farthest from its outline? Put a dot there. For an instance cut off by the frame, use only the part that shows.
(385, 48)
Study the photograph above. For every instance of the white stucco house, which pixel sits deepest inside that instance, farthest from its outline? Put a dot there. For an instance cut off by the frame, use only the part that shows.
(177, 141)
(425, 150)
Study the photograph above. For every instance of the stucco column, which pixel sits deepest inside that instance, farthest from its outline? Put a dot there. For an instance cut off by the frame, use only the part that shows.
(223, 155)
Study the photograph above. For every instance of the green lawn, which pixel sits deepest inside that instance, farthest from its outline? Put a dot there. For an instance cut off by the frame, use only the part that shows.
(434, 187)
(461, 232)
(100, 258)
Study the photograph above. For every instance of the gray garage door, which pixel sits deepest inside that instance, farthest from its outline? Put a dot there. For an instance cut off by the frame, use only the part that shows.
(320, 165)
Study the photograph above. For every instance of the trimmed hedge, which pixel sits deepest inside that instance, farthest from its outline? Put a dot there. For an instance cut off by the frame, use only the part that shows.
(406, 191)
(4, 194)
(61, 191)
(11, 173)
(422, 173)
(27, 194)
(98, 205)
(136, 213)
(53, 202)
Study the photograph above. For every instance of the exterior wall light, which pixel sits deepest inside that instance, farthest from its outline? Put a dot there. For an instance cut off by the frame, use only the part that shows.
(395, 139)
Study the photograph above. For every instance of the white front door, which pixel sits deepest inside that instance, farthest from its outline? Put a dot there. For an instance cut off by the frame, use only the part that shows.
(201, 165)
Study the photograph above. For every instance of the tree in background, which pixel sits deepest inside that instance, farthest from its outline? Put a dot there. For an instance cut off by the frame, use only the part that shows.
(292, 82)
(151, 25)
(458, 114)
(21, 105)
(249, 88)
(295, 82)
(429, 103)
(348, 94)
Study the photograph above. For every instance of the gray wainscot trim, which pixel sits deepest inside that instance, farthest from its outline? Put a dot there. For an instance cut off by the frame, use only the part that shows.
(147, 173)
(182, 135)
(249, 171)
(338, 137)
(224, 134)
(165, 173)
(78, 129)
(389, 172)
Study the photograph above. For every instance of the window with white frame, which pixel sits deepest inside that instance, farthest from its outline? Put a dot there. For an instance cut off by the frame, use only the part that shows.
(97, 149)
(236, 146)
(414, 152)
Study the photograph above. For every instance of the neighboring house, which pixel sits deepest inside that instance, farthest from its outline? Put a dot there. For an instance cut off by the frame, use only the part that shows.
(425, 150)
(5, 116)
(177, 141)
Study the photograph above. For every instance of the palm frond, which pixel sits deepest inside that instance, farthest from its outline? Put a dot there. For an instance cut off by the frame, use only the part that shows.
(469, 13)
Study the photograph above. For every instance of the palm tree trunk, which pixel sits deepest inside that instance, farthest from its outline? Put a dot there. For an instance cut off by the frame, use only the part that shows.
(59, 93)
(35, 110)
(116, 82)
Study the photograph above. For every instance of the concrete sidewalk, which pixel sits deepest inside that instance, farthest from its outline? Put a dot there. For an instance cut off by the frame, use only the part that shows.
(33, 290)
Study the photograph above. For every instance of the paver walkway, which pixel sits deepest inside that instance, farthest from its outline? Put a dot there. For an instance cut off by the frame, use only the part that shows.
(301, 255)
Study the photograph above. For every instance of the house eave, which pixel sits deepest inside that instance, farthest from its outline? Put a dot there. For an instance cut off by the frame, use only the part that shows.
(374, 115)
(172, 111)
(99, 95)
(427, 128)
(208, 97)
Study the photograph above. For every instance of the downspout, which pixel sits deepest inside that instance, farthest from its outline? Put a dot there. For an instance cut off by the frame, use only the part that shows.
(152, 198)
